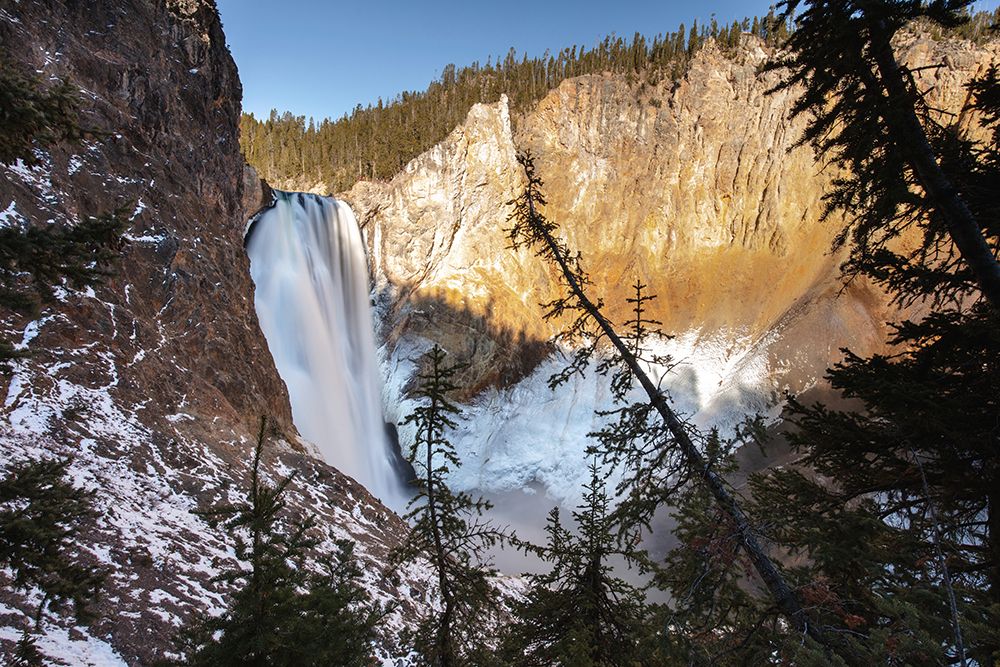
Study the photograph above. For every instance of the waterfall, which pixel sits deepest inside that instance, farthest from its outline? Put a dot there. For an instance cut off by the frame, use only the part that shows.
(307, 260)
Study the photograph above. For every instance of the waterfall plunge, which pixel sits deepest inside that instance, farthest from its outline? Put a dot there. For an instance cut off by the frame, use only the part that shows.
(307, 260)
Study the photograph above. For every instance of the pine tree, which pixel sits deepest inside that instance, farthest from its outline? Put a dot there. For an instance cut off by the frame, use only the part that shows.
(34, 259)
(283, 612)
(713, 616)
(41, 517)
(579, 614)
(896, 505)
(337, 620)
(893, 508)
(378, 140)
(449, 533)
(905, 170)
(26, 653)
(41, 512)
(33, 117)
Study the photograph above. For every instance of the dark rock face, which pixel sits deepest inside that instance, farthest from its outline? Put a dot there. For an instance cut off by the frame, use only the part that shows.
(161, 89)
(155, 381)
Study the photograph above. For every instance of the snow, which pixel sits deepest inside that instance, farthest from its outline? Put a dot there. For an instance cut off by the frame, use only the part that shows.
(31, 331)
(139, 208)
(66, 646)
(509, 439)
(10, 217)
(74, 164)
(155, 239)
(37, 177)
(145, 502)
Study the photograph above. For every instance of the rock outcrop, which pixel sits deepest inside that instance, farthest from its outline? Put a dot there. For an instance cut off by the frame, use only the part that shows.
(697, 187)
(155, 381)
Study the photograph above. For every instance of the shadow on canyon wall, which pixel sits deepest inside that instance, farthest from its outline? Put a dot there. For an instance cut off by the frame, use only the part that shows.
(492, 354)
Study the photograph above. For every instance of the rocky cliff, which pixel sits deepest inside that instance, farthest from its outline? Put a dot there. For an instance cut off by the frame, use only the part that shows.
(697, 187)
(153, 383)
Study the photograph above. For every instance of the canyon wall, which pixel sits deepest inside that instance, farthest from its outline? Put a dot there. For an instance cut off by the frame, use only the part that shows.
(154, 382)
(697, 187)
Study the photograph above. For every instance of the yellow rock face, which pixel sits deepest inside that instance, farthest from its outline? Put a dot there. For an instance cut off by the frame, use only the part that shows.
(696, 187)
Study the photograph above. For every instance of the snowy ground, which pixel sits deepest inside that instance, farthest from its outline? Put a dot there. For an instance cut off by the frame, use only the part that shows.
(160, 558)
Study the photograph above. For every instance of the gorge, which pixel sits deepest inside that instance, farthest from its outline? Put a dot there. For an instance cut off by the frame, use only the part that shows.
(153, 382)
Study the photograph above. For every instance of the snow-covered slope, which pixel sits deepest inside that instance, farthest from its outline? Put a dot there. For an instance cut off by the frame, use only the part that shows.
(528, 436)
(160, 557)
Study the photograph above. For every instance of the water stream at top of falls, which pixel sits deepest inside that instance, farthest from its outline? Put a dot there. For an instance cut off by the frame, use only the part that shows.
(307, 260)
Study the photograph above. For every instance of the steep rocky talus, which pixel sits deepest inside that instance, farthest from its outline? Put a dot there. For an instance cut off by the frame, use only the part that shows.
(154, 381)
(698, 187)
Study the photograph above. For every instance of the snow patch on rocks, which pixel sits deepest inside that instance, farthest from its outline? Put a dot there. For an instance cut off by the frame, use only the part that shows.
(160, 557)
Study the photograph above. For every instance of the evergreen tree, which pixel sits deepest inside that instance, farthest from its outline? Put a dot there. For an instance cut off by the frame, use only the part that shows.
(579, 614)
(888, 514)
(41, 517)
(41, 512)
(449, 534)
(892, 509)
(714, 617)
(905, 171)
(34, 260)
(26, 653)
(377, 141)
(283, 612)
(33, 117)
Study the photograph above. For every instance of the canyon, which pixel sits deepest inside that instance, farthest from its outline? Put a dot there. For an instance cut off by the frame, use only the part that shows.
(154, 382)
(698, 187)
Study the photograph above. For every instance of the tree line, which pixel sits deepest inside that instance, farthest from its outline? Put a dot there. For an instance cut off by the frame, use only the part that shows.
(378, 140)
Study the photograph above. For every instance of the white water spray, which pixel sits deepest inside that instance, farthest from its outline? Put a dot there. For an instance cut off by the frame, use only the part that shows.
(307, 260)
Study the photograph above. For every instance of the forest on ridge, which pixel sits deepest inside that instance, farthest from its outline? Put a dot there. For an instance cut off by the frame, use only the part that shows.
(374, 142)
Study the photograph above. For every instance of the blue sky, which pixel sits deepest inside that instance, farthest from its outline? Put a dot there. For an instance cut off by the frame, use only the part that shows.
(321, 58)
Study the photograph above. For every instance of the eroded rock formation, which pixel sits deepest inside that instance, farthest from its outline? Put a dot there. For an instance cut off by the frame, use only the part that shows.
(697, 187)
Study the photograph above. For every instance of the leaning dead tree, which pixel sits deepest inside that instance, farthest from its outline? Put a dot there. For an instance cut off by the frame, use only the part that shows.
(532, 230)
